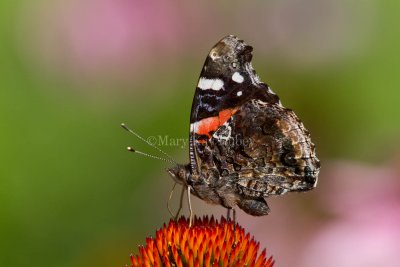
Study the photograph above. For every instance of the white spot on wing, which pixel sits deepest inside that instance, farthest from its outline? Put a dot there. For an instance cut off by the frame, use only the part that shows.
(270, 91)
(239, 93)
(213, 55)
(214, 84)
(223, 133)
(236, 77)
(193, 127)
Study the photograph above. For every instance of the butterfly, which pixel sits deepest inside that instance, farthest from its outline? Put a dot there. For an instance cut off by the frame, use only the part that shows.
(244, 146)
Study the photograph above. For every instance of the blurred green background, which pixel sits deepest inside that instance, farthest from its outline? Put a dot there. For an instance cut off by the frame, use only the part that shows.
(72, 71)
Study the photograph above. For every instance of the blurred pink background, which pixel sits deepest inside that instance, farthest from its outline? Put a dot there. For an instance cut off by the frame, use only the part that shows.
(72, 71)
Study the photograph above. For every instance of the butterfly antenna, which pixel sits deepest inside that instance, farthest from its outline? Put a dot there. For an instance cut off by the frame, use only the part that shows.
(131, 149)
(123, 125)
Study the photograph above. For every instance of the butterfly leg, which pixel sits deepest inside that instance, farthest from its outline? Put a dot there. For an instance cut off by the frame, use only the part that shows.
(169, 199)
(190, 207)
(228, 214)
(180, 203)
(234, 221)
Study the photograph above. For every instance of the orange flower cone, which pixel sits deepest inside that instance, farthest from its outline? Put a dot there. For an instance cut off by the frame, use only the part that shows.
(207, 243)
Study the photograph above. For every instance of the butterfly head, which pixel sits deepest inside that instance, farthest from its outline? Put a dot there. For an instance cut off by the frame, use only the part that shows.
(180, 173)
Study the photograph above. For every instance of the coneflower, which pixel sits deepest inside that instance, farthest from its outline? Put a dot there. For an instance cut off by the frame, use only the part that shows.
(208, 242)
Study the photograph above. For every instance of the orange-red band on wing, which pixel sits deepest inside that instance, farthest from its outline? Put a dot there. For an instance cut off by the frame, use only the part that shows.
(208, 125)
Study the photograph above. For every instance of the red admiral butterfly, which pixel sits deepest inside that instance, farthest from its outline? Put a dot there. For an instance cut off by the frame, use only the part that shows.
(244, 145)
